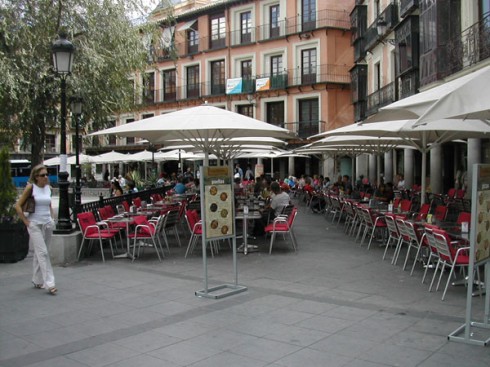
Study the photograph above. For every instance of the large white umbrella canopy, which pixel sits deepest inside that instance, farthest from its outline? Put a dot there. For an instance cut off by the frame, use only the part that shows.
(145, 156)
(462, 97)
(225, 149)
(111, 157)
(83, 159)
(467, 99)
(371, 144)
(55, 161)
(422, 137)
(204, 126)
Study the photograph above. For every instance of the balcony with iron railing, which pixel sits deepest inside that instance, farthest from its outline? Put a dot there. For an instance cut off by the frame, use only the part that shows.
(407, 6)
(389, 19)
(305, 129)
(409, 84)
(239, 37)
(325, 18)
(382, 97)
(463, 51)
(179, 93)
(325, 73)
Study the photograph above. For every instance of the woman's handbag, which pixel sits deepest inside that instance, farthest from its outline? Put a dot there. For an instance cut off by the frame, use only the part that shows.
(29, 205)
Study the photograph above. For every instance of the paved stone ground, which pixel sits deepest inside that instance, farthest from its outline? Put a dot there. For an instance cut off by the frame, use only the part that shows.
(332, 303)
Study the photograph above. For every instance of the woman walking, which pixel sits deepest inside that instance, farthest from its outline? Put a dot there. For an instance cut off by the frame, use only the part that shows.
(40, 227)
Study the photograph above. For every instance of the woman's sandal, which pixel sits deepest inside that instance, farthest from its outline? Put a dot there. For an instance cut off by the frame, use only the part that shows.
(37, 286)
(52, 291)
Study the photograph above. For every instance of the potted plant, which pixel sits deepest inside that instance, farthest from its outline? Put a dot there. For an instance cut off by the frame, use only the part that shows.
(14, 239)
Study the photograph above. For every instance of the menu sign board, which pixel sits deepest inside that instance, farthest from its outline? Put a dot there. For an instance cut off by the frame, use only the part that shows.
(482, 239)
(218, 202)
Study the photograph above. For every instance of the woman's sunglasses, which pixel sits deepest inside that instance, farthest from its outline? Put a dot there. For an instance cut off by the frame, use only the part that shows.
(43, 175)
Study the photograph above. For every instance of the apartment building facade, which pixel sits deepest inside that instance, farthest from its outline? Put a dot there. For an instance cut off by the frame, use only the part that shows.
(283, 62)
(404, 47)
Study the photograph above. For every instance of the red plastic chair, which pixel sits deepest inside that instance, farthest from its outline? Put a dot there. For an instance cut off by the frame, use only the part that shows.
(422, 214)
(92, 231)
(195, 226)
(463, 217)
(460, 194)
(110, 210)
(440, 212)
(396, 203)
(393, 232)
(107, 212)
(137, 202)
(284, 225)
(144, 232)
(372, 222)
(125, 205)
(405, 205)
(449, 256)
(451, 193)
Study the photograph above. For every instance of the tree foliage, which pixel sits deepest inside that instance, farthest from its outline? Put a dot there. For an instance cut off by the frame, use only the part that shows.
(109, 51)
(8, 193)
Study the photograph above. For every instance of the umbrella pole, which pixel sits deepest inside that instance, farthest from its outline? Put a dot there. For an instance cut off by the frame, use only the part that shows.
(423, 188)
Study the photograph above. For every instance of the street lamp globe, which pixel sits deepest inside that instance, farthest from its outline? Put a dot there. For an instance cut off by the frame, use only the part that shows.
(63, 52)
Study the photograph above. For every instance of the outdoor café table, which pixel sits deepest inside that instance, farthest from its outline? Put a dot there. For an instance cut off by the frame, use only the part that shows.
(253, 215)
(128, 220)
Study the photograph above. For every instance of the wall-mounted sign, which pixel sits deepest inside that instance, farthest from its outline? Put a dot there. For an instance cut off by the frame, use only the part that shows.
(234, 86)
(262, 84)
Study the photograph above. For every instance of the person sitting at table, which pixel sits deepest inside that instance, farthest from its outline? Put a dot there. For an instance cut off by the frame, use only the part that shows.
(131, 187)
(116, 189)
(279, 199)
(179, 187)
(383, 194)
(237, 186)
(265, 193)
(346, 185)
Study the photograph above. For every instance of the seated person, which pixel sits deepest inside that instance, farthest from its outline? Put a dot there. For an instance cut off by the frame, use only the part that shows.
(237, 186)
(279, 199)
(179, 188)
(131, 187)
(383, 194)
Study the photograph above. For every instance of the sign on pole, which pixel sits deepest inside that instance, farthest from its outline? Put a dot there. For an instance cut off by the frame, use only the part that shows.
(218, 218)
(471, 331)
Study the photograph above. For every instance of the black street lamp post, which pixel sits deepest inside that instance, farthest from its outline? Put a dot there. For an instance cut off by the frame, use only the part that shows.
(63, 51)
(76, 110)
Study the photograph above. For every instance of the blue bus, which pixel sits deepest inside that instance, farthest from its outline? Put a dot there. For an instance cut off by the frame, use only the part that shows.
(20, 170)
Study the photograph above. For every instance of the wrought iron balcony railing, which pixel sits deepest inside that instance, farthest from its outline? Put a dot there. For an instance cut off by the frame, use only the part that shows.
(469, 48)
(325, 18)
(326, 73)
(305, 129)
(380, 98)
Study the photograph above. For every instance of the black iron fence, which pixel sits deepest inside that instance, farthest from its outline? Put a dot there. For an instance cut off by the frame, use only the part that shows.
(144, 195)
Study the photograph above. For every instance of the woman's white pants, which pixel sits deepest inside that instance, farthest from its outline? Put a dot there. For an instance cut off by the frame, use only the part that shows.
(40, 238)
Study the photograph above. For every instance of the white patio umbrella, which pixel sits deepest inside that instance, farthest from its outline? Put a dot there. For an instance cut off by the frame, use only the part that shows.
(422, 138)
(111, 157)
(55, 161)
(203, 126)
(83, 159)
(143, 156)
(464, 97)
(271, 153)
(467, 99)
(370, 144)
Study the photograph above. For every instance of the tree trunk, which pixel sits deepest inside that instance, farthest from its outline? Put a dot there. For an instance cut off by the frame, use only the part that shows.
(38, 139)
